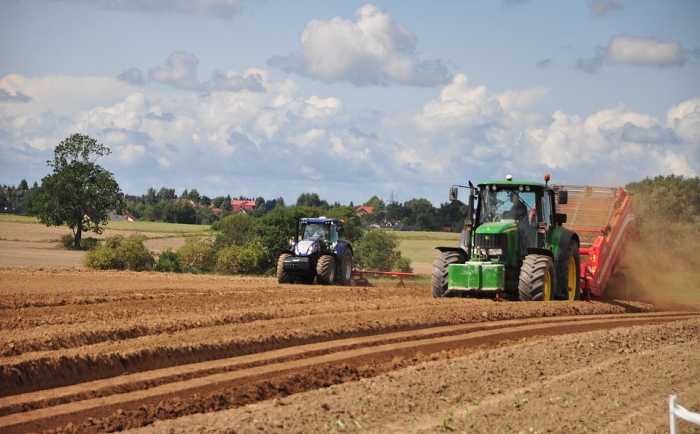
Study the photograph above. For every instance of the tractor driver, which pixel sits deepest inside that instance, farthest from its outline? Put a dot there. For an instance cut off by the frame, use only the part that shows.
(316, 230)
(517, 211)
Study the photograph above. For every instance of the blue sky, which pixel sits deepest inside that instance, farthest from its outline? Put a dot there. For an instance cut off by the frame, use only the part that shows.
(352, 99)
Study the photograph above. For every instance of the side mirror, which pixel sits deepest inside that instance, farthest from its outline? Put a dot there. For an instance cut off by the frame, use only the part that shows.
(453, 193)
(560, 218)
(563, 197)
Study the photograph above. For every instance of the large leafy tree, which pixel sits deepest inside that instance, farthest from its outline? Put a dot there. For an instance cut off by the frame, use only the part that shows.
(79, 193)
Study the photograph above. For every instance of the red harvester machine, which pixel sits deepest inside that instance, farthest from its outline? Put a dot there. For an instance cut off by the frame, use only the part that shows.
(604, 219)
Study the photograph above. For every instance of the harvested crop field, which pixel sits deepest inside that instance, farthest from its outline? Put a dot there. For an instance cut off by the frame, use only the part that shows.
(92, 351)
(85, 351)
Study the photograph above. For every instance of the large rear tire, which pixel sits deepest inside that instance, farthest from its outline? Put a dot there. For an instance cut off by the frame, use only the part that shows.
(570, 272)
(283, 276)
(345, 269)
(440, 266)
(325, 270)
(537, 278)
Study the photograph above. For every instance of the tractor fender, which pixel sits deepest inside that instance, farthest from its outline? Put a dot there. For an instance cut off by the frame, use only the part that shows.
(560, 246)
(538, 251)
(460, 249)
(341, 246)
(566, 236)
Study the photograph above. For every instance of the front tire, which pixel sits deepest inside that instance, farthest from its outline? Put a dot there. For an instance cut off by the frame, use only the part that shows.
(345, 271)
(536, 278)
(283, 276)
(570, 269)
(440, 266)
(325, 270)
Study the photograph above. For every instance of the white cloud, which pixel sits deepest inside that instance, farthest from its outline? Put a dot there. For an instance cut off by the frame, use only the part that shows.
(180, 72)
(18, 97)
(218, 8)
(644, 51)
(374, 50)
(626, 49)
(251, 80)
(131, 76)
(600, 8)
(239, 142)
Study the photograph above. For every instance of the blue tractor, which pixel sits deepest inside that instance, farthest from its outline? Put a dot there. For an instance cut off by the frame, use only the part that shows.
(317, 254)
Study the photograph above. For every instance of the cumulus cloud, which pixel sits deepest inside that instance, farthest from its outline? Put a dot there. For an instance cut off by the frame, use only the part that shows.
(373, 50)
(6, 96)
(600, 8)
(279, 143)
(644, 51)
(180, 72)
(251, 81)
(626, 49)
(132, 76)
(655, 134)
(544, 64)
(217, 8)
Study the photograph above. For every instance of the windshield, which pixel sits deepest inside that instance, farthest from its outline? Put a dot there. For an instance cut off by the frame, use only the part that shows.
(316, 230)
(505, 204)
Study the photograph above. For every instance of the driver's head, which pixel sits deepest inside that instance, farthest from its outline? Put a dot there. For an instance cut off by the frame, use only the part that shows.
(520, 210)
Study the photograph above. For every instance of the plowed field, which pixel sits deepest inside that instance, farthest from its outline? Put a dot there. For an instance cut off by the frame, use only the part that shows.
(86, 351)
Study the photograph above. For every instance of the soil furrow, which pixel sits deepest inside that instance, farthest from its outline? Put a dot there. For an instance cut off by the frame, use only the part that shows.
(376, 353)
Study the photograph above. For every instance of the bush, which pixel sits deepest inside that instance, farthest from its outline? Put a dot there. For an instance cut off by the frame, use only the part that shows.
(377, 250)
(133, 255)
(196, 254)
(90, 243)
(238, 259)
(120, 253)
(234, 230)
(67, 241)
(168, 261)
(102, 258)
(403, 265)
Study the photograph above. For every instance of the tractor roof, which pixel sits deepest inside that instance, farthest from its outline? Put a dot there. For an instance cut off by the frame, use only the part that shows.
(512, 184)
(322, 220)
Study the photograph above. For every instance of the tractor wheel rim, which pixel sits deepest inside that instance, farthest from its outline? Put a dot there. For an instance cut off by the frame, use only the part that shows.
(573, 275)
(547, 286)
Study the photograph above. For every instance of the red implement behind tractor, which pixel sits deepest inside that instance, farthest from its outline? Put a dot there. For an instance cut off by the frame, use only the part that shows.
(604, 219)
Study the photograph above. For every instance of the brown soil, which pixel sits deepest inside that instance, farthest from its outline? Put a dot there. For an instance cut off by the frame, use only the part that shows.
(92, 351)
(84, 351)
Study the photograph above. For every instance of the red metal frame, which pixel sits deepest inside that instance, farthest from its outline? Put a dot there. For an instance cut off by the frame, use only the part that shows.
(604, 256)
(360, 277)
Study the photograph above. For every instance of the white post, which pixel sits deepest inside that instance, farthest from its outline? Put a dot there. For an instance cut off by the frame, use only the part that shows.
(672, 413)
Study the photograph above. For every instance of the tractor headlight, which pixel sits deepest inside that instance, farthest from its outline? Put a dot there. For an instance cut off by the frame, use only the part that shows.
(491, 252)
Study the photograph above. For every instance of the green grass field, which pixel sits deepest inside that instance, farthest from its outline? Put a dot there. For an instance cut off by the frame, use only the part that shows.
(139, 226)
(420, 246)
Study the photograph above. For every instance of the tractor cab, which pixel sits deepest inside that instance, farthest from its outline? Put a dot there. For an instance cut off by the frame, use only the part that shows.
(322, 229)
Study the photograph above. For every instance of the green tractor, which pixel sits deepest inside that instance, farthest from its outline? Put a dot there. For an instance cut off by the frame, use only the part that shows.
(513, 246)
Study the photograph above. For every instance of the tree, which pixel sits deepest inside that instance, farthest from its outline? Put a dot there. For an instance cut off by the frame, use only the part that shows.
(23, 185)
(165, 194)
(376, 203)
(79, 193)
(309, 199)
(378, 250)
(150, 198)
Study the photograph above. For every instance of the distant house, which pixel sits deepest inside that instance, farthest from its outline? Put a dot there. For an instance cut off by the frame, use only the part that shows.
(363, 210)
(189, 202)
(242, 206)
(126, 216)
